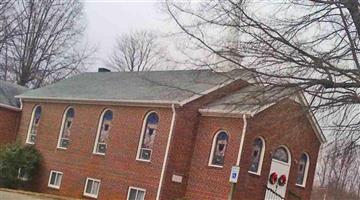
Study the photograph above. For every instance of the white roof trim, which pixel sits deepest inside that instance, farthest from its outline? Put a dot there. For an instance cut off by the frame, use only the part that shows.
(10, 107)
(155, 103)
(222, 113)
(314, 123)
(225, 113)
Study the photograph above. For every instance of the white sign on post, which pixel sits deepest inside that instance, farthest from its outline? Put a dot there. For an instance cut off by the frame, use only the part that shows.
(234, 175)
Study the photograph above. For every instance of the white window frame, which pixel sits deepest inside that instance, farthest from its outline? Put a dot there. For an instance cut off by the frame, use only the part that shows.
(57, 175)
(135, 188)
(86, 184)
(98, 132)
(213, 148)
(305, 172)
(262, 153)
(62, 127)
(142, 137)
(30, 125)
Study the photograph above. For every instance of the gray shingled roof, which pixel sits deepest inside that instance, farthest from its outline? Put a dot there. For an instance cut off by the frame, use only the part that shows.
(169, 86)
(249, 100)
(8, 91)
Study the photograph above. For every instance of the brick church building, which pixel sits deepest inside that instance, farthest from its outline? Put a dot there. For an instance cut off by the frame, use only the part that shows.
(170, 135)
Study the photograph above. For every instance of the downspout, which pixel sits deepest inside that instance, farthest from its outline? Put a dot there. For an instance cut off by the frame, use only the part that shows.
(166, 152)
(21, 103)
(233, 185)
(242, 140)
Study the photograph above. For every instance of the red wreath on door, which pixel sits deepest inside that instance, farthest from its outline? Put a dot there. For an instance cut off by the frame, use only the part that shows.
(282, 180)
(273, 178)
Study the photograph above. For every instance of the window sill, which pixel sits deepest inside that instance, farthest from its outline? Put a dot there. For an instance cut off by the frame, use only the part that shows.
(98, 154)
(142, 160)
(23, 179)
(300, 186)
(254, 173)
(216, 166)
(54, 187)
(90, 195)
(61, 148)
(31, 143)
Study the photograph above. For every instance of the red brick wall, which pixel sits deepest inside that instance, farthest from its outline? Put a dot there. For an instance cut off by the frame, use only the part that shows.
(8, 125)
(118, 169)
(182, 145)
(209, 182)
(282, 124)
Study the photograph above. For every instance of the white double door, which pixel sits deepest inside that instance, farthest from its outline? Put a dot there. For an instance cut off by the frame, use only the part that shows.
(280, 168)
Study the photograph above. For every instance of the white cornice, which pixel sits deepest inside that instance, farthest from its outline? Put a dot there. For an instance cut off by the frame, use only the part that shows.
(10, 107)
(141, 103)
(222, 113)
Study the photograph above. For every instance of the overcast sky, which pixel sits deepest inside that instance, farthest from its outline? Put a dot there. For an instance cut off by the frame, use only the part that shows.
(108, 18)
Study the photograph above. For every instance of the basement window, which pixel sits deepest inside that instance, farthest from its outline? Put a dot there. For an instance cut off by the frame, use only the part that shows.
(55, 179)
(136, 193)
(148, 134)
(65, 130)
(92, 187)
(218, 150)
(102, 135)
(34, 124)
(22, 175)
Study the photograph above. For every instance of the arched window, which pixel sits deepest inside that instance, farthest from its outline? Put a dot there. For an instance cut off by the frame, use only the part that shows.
(257, 155)
(102, 135)
(281, 154)
(148, 134)
(303, 170)
(218, 149)
(65, 129)
(34, 123)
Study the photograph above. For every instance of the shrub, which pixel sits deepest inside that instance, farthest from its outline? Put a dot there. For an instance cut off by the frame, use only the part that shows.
(18, 164)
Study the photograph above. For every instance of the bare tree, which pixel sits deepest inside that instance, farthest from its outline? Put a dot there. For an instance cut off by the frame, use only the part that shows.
(7, 31)
(137, 51)
(47, 44)
(311, 46)
(338, 170)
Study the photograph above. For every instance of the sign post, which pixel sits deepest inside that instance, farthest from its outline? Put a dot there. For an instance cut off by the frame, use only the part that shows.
(234, 175)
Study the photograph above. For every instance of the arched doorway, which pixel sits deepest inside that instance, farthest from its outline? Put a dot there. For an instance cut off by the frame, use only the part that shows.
(279, 173)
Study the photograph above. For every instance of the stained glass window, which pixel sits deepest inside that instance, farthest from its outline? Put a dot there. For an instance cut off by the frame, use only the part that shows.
(219, 149)
(66, 128)
(34, 123)
(303, 162)
(281, 154)
(256, 155)
(104, 131)
(149, 133)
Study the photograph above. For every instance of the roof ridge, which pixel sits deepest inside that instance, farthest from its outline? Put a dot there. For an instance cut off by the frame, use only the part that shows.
(154, 71)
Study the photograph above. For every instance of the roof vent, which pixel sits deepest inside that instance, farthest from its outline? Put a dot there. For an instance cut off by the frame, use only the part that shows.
(103, 70)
